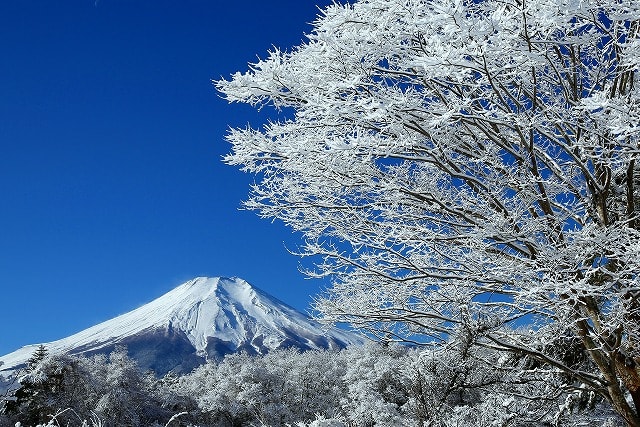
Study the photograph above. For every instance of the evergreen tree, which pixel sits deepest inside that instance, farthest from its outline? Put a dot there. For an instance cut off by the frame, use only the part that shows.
(32, 400)
(37, 357)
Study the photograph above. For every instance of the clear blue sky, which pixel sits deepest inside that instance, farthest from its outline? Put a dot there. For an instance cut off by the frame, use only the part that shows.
(111, 134)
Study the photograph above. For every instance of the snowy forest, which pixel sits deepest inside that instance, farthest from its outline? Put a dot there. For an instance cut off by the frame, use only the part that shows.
(465, 174)
(371, 385)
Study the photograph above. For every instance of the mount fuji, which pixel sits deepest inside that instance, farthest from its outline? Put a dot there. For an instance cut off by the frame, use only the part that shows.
(200, 320)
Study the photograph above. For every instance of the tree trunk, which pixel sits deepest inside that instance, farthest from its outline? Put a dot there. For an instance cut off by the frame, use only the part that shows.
(627, 371)
(614, 369)
(621, 406)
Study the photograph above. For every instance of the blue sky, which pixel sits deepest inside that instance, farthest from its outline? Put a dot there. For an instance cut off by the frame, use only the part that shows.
(111, 134)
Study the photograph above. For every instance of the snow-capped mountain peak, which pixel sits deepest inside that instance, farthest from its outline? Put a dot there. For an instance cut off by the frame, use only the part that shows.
(200, 319)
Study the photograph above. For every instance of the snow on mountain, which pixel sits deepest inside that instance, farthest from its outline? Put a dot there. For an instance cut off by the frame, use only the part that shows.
(202, 319)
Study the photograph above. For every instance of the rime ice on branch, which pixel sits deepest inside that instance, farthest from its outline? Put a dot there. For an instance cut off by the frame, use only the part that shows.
(464, 166)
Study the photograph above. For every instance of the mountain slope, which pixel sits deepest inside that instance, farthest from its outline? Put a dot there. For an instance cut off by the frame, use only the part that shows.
(204, 318)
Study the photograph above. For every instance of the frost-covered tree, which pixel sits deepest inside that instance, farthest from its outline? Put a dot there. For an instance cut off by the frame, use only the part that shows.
(124, 395)
(38, 356)
(469, 164)
(108, 391)
(376, 387)
(281, 388)
(49, 385)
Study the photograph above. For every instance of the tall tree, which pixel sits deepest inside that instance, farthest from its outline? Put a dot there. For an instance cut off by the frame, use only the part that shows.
(38, 356)
(460, 163)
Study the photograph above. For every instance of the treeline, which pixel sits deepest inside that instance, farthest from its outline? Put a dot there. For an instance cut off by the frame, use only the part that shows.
(374, 385)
